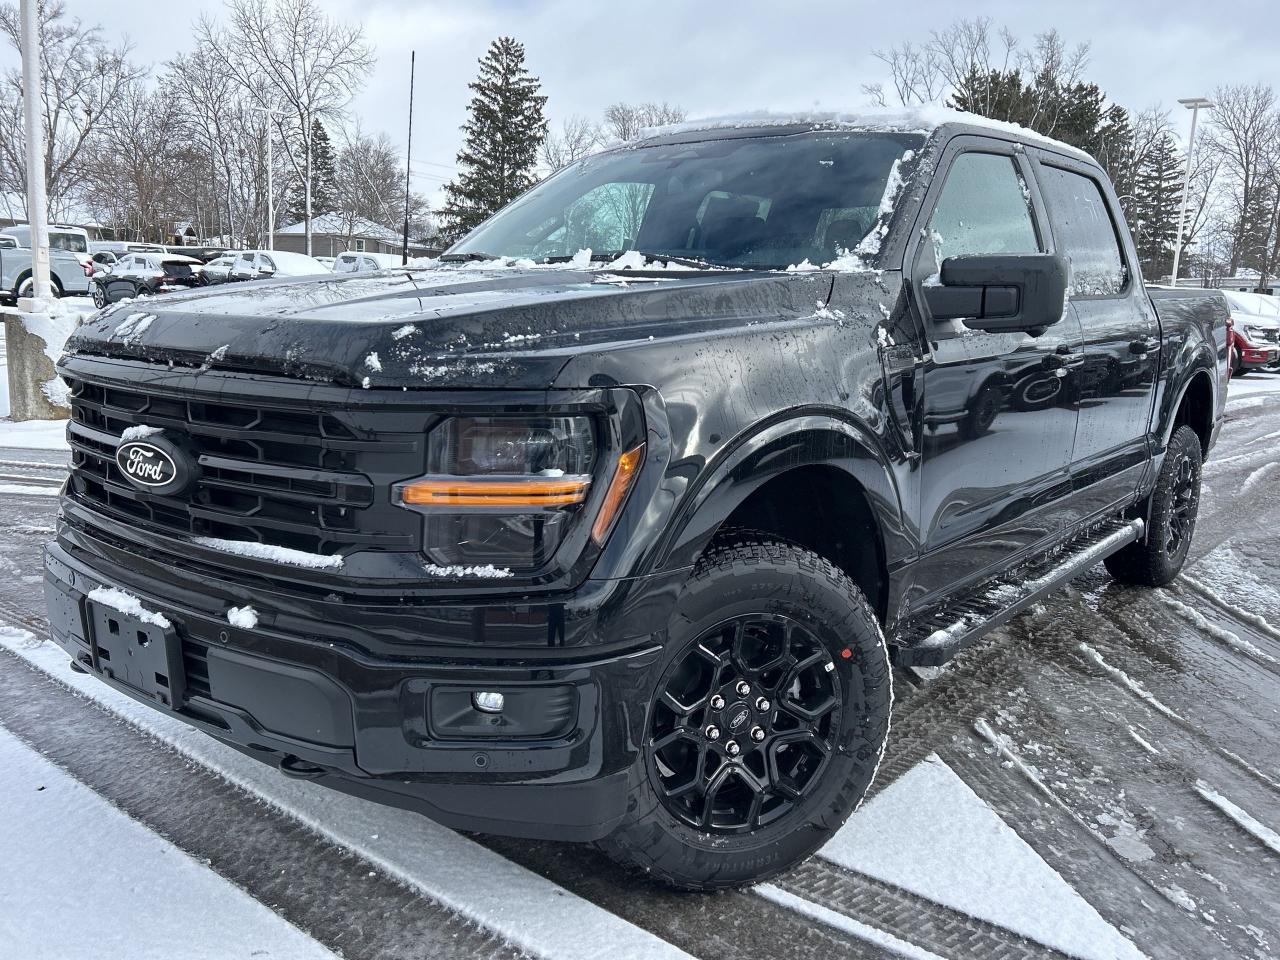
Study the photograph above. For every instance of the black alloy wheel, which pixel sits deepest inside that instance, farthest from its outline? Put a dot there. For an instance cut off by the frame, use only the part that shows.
(745, 724)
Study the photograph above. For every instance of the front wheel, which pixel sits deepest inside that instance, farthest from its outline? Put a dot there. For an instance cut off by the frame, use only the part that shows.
(1155, 560)
(769, 719)
(99, 296)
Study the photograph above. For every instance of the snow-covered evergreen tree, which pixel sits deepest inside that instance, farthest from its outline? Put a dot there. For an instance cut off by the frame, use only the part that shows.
(505, 128)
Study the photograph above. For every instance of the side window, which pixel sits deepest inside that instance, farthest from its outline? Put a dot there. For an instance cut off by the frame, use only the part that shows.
(984, 208)
(267, 262)
(1085, 232)
(245, 262)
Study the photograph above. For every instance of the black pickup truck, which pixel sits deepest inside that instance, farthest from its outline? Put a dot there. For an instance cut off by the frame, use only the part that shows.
(610, 525)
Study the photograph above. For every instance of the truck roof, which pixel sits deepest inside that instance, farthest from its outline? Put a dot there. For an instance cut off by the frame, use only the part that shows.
(924, 120)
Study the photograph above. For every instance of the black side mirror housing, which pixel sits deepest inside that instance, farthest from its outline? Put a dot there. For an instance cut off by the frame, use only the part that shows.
(1001, 293)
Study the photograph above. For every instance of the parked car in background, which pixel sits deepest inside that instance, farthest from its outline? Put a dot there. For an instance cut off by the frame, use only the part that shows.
(217, 269)
(355, 261)
(1255, 331)
(262, 264)
(145, 274)
(72, 240)
(67, 274)
(106, 252)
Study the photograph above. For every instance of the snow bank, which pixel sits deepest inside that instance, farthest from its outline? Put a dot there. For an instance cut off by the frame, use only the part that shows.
(266, 551)
(53, 322)
(34, 434)
(128, 604)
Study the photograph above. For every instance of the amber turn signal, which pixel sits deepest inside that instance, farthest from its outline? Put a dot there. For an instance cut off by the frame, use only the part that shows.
(533, 492)
(624, 475)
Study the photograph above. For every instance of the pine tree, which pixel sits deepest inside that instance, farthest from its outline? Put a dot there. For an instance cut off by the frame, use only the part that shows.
(505, 128)
(1157, 195)
(324, 177)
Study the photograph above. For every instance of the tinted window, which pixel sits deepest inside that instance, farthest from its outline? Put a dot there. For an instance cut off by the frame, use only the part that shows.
(1085, 233)
(766, 202)
(984, 208)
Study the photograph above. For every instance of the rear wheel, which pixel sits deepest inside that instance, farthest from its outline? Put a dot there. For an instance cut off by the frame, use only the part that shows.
(99, 296)
(768, 722)
(1172, 510)
(27, 286)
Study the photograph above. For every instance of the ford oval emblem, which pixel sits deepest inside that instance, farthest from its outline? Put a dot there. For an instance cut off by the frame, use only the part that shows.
(154, 464)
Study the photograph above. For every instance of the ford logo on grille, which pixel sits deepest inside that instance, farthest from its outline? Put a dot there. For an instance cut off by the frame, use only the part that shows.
(155, 464)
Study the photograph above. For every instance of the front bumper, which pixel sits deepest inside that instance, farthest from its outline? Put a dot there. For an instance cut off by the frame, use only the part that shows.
(377, 724)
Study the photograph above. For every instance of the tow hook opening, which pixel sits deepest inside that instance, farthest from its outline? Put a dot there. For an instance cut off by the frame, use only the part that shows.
(292, 766)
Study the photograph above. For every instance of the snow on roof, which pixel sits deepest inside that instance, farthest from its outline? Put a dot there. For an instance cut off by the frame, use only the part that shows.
(923, 120)
(332, 223)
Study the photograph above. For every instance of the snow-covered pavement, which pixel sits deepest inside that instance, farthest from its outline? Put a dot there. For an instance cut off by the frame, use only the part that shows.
(1098, 779)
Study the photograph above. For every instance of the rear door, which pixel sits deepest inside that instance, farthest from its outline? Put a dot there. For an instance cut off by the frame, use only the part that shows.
(999, 410)
(1121, 334)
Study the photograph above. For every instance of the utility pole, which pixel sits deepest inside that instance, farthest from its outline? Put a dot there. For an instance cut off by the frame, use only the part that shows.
(37, 201)
(408, 156)
(1194, 104)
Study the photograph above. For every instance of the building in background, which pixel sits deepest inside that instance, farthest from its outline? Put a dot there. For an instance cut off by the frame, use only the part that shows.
(332, 234)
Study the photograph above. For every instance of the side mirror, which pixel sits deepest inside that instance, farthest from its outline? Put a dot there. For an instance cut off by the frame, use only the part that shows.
(1001, 293)
(266, 272)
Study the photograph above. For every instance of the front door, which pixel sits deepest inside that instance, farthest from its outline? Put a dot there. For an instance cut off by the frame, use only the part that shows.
(1121, 337)
(999, 409)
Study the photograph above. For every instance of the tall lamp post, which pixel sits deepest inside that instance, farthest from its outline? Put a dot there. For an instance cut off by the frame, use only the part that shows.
(271, 189)
(1194, 104)
(37, 201)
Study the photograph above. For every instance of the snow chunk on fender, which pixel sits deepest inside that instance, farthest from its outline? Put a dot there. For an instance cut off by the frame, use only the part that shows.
(128, 604)
(267, 551)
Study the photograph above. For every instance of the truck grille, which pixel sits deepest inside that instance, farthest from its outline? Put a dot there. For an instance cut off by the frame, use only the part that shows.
(289, 472)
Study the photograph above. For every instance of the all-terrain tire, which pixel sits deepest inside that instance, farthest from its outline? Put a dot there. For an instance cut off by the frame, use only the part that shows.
(743, 575)
(1158, 558)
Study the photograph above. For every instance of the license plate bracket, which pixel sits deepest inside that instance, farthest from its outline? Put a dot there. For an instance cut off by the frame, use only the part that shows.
(143, 656)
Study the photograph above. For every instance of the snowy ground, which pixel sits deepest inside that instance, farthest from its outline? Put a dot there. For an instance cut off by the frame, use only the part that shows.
(1098, 779)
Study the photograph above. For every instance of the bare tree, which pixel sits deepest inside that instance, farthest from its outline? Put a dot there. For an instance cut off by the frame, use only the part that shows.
(80, 76)
(577, 137)
(1243, 133)
(290, 56)
(914, 70)
(625, 121)
(370, 185)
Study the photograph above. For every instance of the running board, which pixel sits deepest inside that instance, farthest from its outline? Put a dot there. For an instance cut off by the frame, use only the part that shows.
(937, 637)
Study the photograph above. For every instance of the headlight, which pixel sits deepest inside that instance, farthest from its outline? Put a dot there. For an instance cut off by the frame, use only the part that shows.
(1255, 334)
(502, 491)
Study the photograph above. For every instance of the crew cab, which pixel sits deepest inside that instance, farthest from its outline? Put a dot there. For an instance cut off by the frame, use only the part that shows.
(610, 525)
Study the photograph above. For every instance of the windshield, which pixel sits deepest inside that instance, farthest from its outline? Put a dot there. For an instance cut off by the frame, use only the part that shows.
(758, 202)
(73, 242)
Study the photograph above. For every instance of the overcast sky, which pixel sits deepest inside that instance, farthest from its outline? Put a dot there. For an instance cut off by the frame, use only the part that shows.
(720, 57)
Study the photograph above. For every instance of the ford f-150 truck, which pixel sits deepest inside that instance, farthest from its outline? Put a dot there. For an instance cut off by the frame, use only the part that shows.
(610, 525)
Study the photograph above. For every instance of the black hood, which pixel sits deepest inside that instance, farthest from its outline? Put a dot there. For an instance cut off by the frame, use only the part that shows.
(447, 326)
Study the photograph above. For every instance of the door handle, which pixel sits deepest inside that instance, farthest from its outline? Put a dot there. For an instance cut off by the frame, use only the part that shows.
(1063, 359)
(1144, 345)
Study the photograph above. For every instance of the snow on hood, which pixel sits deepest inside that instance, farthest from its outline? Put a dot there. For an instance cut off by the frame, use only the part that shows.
(924, 120)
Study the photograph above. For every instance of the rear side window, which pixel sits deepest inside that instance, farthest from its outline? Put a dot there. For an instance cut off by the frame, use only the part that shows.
(1085, 233)
(984, 208)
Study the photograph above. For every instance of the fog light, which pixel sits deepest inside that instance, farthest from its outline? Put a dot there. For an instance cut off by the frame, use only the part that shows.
(486, 701)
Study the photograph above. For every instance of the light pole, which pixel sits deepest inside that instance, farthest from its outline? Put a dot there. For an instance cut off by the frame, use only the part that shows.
(1193, 104)
(37, 201)
(271, 191)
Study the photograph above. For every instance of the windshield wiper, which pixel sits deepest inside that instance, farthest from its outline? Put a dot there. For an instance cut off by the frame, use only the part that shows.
(696, 262)
(468, 256)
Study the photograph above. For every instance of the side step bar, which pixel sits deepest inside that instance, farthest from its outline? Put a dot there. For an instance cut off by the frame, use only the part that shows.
(935, 638)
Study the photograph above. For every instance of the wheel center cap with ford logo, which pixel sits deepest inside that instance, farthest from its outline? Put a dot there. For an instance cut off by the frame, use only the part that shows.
(155, 464)
(736, 716)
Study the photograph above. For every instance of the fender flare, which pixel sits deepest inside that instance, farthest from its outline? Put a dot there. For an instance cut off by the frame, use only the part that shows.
(1200, 363)
(770, 451)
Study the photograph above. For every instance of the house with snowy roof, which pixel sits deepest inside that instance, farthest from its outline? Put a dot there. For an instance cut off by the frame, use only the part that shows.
(333, 233)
